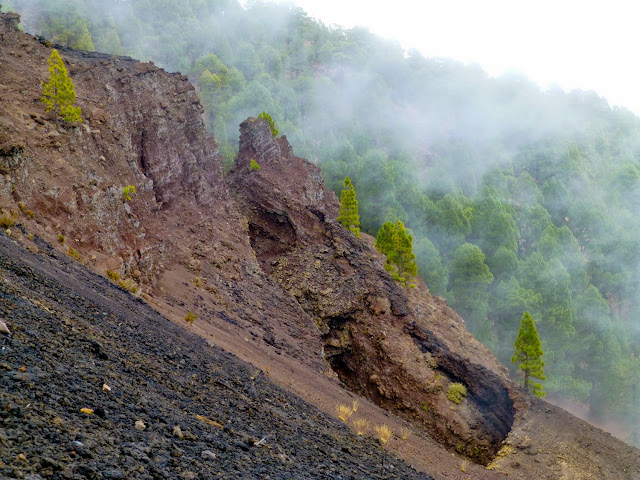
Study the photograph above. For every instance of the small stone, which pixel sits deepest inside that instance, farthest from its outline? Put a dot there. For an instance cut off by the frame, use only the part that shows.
(177, 432)
(80, 448)
(4, 329)
(88, 411)
(140, 425)
(113, 474)
(106, 388)
(208, 455)
(21, 457)
(23, 368)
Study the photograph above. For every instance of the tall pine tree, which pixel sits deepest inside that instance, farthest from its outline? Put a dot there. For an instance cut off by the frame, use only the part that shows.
(349, 217)
(394, 242)
(528, 354)
(59, 93)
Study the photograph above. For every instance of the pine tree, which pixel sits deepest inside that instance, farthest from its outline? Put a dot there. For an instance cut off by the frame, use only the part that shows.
(394, 242)
(349, 217)
(528, 354)
(59, 93)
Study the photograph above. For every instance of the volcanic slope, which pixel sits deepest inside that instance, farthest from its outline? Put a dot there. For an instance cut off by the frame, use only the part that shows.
(260, 259)
(178, 407)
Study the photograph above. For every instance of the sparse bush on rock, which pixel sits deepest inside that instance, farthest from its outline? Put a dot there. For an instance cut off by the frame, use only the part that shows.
(457, 392)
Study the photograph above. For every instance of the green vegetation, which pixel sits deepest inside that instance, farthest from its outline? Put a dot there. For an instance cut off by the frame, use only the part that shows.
(253, 165)
(127, 192)
(536, 193)
(349, 217)
(59, 94)
(272, 125)
(113, 276)
(528, 354)
(74, 254)
(61, 239)
(128, 284)
(190, 317)
(394, 242)
(456, 392)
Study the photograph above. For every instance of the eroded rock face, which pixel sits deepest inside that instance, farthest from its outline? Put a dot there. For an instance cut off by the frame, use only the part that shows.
(287, 193)
(377, 335)
(180, 240)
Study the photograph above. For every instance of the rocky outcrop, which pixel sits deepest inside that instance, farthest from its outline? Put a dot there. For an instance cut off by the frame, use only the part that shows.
(377, 335)
(180, 241)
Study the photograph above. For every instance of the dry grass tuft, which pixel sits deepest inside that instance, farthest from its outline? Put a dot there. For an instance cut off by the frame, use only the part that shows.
(384, 433)
(361, 425)
(354, 407)
(8, 219)
(190, 317)
(404, 433)
(344, 412)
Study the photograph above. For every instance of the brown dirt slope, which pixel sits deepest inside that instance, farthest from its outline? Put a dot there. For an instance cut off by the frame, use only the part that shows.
(260, 258)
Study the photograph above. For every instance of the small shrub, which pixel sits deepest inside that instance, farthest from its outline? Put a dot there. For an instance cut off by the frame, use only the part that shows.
(253, 165)
(128, 284)
(404, 433)
(113, 276)
(457, 392)
(344, 412)
(361, 425)
(190, 317)
(463, 467)
(8, 219)
(22, 206)
(127, 192)
(354, 406)
(74, 254)
(61, 239)
(384, 433)
(197, 282)
(272, 125)
(29, 213)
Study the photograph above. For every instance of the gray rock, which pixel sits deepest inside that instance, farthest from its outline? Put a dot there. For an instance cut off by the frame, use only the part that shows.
(208, 455)
(4, 329)
(113, 474)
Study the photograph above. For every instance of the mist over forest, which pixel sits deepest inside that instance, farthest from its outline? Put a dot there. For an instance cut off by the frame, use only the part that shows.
(518, 199)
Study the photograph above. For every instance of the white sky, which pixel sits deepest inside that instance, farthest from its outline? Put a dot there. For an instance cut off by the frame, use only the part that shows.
(588, 44)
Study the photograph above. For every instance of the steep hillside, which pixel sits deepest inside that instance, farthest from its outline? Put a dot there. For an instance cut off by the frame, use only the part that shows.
(260, 259)
(177, 406)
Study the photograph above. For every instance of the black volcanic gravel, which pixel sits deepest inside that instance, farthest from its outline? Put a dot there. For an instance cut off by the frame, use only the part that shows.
(73, 331)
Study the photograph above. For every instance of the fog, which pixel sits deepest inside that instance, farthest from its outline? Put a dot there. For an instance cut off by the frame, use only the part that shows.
(544, 184)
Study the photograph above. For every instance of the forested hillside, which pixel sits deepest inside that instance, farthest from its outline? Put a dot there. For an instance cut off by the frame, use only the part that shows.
(518, 199)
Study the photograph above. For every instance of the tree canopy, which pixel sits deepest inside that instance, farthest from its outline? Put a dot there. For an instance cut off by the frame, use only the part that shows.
(349, 217)
(394, 242)
(528, 355)
(59, 93)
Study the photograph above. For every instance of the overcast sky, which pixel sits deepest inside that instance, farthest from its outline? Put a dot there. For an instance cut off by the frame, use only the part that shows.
(590, 45)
